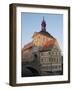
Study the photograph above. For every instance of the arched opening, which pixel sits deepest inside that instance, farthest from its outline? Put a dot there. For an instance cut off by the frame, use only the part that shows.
(35, 56)
(34, 71)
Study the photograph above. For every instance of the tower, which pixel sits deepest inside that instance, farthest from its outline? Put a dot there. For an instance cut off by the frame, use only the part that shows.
(43, 25)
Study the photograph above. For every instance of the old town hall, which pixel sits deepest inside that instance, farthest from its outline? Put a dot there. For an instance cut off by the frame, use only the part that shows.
(43, 55)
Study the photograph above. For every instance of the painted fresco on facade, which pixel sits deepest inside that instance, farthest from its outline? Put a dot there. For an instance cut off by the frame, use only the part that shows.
(42, 56)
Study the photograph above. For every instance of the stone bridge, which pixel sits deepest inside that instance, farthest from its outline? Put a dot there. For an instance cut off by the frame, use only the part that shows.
(31, 68)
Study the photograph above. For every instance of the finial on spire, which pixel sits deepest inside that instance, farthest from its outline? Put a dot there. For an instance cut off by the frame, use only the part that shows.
(43, 18)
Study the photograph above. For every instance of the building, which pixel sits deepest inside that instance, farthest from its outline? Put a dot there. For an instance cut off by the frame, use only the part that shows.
(51, 59)
(46, 49)
(27, 52)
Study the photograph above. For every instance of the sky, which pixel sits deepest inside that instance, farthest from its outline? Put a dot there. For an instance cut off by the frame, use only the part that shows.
(31, 22)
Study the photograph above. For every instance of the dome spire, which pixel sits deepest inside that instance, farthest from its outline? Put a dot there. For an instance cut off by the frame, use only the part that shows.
(43, 25)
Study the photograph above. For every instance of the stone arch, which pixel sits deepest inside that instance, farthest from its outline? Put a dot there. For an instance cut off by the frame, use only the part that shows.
(34, 71)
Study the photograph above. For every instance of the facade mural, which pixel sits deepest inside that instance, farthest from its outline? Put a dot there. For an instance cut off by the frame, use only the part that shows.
(43, 55)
